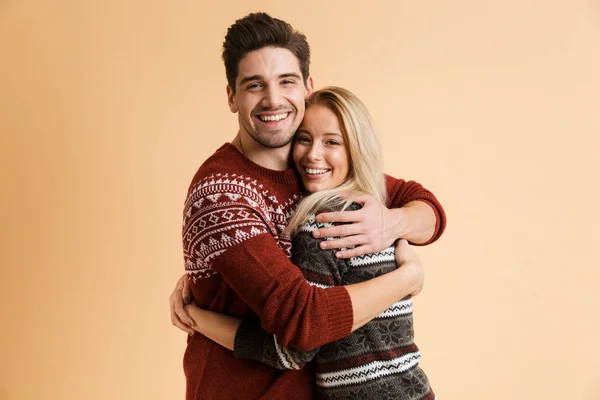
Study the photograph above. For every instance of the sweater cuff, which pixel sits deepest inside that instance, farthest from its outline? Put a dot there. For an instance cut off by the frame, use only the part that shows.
(249, 340)
(340, 312)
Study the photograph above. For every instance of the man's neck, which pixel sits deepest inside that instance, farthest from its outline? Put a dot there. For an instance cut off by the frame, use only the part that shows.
(276, 159)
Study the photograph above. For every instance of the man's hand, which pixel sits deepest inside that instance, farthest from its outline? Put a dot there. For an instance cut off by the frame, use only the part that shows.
(181, 295)
(371, 228)
(407, 258)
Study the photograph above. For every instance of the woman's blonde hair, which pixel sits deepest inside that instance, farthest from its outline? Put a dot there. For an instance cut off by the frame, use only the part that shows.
(366, 168)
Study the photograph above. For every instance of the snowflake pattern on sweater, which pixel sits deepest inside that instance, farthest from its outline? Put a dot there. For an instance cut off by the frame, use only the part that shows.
(379, 358)
(236, 270)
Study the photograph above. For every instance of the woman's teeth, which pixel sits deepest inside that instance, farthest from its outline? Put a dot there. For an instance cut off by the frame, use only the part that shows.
(313, 171)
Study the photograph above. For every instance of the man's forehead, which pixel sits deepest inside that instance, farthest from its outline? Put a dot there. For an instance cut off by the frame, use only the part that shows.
(268, 62)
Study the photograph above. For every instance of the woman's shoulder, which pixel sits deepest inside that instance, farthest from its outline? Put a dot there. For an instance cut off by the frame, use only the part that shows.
(312, 224)
(341, 207)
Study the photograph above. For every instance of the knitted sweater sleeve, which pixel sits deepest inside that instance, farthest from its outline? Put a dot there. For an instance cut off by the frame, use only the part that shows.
(229, 230)
(253, 342)
(320, 267)
(300, 315)
(401, 192)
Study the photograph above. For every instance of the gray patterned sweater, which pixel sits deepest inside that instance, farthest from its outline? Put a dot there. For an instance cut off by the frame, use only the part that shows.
(377, 361)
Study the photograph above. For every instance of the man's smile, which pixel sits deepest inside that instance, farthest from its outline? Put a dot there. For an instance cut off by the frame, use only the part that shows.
(273, 117)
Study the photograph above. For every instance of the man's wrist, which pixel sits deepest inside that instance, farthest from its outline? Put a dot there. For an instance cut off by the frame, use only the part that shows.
(398, 226)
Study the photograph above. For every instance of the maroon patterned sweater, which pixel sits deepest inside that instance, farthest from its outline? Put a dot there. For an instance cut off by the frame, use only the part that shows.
(237, 260)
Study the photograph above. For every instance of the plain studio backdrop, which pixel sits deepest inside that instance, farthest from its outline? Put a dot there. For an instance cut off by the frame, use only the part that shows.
(107, 108)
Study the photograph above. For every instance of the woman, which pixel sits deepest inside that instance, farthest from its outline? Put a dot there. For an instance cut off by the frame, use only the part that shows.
(336, 152)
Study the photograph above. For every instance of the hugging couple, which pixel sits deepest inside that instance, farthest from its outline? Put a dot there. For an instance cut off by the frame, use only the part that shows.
(299, 276)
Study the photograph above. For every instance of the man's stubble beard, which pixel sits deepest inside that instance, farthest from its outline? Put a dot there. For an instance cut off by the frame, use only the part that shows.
(272, 140)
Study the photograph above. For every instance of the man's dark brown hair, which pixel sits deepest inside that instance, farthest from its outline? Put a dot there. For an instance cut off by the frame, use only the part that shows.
(258, 30)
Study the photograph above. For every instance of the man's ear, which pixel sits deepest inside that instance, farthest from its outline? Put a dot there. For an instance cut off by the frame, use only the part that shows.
(231, 100)
(309, 86)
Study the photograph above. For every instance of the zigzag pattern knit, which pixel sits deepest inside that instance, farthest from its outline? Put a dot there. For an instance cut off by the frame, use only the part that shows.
(230, 208)
(238, 263)
(378, 361)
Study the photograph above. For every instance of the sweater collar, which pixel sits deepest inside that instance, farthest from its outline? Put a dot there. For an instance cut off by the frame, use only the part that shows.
(285, 177)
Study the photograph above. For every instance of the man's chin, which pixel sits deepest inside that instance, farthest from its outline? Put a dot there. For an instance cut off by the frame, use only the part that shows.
(274, 140)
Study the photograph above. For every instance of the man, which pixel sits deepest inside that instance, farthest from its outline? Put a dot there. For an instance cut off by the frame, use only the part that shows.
(238, 204)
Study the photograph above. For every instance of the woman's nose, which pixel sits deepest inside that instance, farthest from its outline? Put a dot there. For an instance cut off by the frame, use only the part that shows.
(315, 152)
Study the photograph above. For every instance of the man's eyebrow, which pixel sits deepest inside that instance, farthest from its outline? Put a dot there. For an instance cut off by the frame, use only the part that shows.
(250, 78)
(259, 77)
(290, 75)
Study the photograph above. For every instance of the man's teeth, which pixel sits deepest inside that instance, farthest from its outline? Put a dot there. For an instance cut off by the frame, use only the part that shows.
(313, 171)
(277, 117)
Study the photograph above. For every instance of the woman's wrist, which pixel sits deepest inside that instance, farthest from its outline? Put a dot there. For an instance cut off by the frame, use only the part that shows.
(415, 276)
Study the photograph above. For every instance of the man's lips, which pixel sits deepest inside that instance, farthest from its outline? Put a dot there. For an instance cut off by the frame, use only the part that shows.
(272, 116)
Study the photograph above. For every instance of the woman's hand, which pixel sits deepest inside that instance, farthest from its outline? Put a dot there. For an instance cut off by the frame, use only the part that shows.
(217, 327)
(181, 295)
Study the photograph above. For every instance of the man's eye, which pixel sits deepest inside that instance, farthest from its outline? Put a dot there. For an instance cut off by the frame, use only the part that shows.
(288, 82)
(253, 86)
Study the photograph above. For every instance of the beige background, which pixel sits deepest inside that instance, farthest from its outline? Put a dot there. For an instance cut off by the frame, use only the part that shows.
(108, 107)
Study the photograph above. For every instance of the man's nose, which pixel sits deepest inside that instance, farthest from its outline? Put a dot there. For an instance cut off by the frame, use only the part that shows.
(273, 98)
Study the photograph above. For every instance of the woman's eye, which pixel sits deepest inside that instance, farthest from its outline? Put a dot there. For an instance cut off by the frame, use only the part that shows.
(302, 140)
(332, 143)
